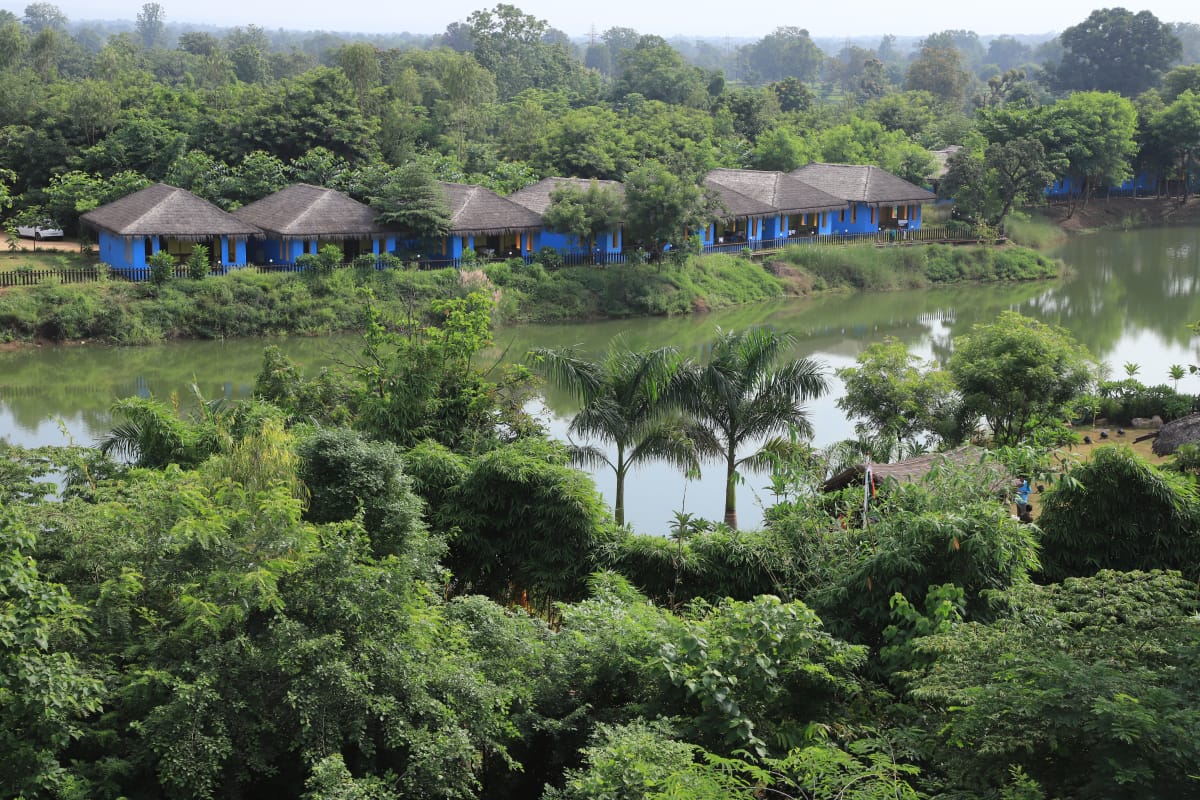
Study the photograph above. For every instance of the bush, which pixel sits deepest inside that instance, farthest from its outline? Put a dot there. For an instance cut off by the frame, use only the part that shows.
(549, 258)
(1122, 401)
(197, 263)
(162, 267)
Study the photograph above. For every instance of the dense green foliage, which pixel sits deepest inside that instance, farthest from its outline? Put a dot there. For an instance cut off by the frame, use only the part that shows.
(1019, 374)
(319, 599)
(383, 581)
(1117, 512)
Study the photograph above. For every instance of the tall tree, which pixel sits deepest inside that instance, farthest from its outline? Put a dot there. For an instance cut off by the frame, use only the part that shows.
(629, 399)
(40, 16)
(585, 213)
(1178, 128)
(655, 70)
(939, 71)
(662, 208)
(786, 52)
(1115, 50)
(412, 200)
(1019, 373)
(747, 391)
(151, 26)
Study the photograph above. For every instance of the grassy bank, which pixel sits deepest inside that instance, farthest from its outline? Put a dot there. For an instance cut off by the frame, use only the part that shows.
(891, 268)
(249, 304)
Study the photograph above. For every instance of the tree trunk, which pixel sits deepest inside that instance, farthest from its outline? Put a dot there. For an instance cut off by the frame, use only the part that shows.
(619, 503)
(731, 491)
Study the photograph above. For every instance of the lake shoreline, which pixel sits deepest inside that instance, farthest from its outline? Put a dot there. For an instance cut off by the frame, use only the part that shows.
(248, 304)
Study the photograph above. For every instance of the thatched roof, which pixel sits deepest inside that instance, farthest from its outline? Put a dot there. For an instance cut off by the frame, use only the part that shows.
(1185, 430)
(736, 204)
(537, 197)
(912, 470)
(162, 210)
(862, 184)
(302, 211)
(777, 190)
(475, 210)
(942, 158)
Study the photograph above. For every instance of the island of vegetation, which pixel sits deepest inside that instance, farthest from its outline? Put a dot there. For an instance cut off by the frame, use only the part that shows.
(385, 580)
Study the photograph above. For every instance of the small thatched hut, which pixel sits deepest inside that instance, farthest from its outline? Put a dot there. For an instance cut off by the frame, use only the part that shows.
(303, 218)
(537, 198)
(1185, 430)
(490, 224)
(914, 469)
(162, 217)
(785, 206)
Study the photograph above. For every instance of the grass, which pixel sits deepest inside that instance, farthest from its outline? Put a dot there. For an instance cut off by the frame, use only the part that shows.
(890, 268)
(1033, 231)
(11, 260)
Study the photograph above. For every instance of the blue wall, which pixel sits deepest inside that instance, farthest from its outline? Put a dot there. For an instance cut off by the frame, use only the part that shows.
(567, 244)
(120, 252)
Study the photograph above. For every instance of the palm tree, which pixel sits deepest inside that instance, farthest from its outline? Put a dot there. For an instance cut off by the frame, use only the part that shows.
(628, 399)
(742, 394)
(1177, 374)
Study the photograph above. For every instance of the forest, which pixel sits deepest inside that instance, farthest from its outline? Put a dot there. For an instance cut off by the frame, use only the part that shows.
(91, 112)
(385, 580)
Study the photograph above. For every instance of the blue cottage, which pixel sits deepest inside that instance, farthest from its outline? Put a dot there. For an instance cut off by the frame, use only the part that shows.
(162, 217)
(487, 224)
(302, 219)
(766, 208)
(876, 200)
(538, 197)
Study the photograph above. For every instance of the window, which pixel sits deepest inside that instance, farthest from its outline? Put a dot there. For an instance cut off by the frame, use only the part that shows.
(853, 214)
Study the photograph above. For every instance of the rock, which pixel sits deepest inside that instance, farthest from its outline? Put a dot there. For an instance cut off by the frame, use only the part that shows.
(1144, 424)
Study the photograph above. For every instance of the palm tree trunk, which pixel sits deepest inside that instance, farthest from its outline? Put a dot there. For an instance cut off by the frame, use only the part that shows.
(619, 503)
(731, 489)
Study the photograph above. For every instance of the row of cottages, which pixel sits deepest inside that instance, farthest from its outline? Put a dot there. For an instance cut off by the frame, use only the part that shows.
(760, 210)
(765, 208)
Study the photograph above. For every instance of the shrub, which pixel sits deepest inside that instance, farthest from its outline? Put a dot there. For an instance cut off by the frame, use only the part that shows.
(197, 263)
(549, 258)
(162, 267)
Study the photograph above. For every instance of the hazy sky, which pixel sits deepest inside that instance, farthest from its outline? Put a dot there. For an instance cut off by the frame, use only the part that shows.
(710, 18)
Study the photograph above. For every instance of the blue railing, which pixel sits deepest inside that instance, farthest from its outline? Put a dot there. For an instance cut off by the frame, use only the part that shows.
(893, 236)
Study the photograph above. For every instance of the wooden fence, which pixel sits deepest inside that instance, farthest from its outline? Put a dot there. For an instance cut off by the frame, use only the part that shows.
(32, 277)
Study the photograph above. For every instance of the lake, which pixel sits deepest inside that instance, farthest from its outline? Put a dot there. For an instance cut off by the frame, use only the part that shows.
(1129, 299)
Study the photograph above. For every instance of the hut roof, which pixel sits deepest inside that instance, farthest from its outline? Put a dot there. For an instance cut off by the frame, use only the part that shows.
(537, 197)
(778, 190)
(912, 470)
(735, 203)
(942, 158)
(1185, 430)
(862, 184)
(162, 210)
(476, 210)
(304, 211)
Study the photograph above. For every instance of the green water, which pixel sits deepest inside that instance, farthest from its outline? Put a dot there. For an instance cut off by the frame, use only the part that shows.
(1129, 298)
